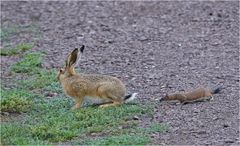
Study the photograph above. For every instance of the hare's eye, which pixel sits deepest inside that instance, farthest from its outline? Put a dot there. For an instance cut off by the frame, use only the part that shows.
(61, 70)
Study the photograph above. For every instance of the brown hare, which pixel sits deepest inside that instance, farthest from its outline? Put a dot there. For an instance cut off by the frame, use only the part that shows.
(199, 94)
(103, 87)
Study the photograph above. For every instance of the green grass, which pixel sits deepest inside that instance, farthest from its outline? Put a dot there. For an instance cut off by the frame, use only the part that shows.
(17, 134)
(16, 50)
(37, 76)
(125, 139)
(50, 120)
(59, 124)
(29, 64)
(40, 80)
(15, 100)
(54, 87)
(132, 135)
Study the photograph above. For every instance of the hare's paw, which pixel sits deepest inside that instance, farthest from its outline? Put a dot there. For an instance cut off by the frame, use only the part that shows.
(104, 105)
(109, 104)
(75, 107)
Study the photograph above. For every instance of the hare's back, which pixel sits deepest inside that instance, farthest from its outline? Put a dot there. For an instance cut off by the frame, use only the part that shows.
(95, 78)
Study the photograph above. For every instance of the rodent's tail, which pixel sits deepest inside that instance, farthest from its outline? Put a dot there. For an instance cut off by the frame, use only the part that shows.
(129, 97)
(217, 90)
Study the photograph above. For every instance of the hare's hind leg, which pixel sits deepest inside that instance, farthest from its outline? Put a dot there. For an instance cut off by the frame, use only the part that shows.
(115, 101)
(106, 91)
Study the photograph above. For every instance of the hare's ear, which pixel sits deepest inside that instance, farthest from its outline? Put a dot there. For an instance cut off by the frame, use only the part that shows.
(82, 48)
(74, 57)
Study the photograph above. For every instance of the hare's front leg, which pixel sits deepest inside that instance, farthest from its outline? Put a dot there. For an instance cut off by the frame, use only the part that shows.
(78, 103)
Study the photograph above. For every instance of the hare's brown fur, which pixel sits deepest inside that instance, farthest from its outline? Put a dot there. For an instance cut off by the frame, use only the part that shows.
(105, 87)
(78, 86)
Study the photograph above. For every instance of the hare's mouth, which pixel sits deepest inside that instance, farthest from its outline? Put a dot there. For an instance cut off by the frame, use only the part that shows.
(58, 76)
(61, 71)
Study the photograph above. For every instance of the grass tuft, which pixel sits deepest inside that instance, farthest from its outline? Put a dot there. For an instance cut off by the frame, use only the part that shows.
(13, 133)
(16, 50)
(39, 80)
(15, 100)
(29, 64)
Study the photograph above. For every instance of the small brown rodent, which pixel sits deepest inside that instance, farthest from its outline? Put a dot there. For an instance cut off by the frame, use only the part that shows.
(199, 94)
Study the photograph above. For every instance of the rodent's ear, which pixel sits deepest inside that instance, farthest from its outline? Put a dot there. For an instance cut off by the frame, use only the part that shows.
(166, 95)
(163, 98)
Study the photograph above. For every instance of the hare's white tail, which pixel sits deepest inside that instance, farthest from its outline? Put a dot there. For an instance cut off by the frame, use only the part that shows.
(130, 97)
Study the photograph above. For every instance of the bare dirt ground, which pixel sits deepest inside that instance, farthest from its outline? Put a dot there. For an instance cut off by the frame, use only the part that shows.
(154, 48)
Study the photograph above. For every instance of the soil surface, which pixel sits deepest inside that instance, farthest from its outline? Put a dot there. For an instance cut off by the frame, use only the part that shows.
(154, 48)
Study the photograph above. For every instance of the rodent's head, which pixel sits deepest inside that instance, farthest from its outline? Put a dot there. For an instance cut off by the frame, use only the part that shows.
(70, 63)
(164, 97)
